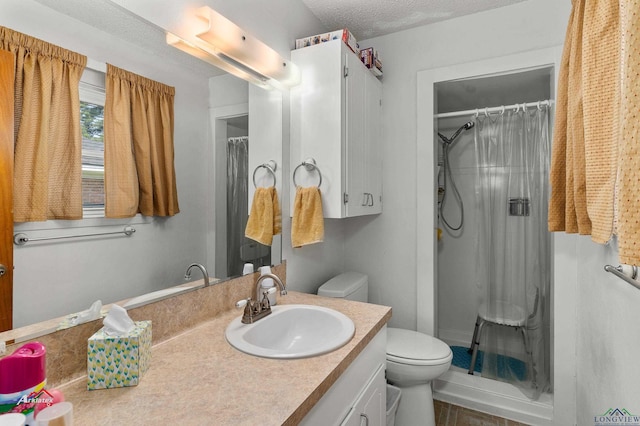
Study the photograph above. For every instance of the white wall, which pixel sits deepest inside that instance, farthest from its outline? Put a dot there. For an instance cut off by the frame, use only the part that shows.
(54, 279)
(608, 330)
(459, 295)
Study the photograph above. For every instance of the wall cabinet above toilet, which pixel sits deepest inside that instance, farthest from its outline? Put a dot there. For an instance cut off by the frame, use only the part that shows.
(336, 119)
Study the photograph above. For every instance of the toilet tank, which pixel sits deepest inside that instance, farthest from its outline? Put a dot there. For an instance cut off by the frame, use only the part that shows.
(349, 285)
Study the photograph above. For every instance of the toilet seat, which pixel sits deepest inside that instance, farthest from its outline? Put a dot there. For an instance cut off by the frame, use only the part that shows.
(415, 348)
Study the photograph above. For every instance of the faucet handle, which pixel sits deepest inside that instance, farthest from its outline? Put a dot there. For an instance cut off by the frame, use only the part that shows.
(266, 304)
(242, 303)
(270, 291)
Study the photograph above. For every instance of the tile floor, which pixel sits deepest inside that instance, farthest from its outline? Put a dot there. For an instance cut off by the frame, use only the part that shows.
(453, 415)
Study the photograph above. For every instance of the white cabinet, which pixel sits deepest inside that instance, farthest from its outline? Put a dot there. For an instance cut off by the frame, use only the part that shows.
(360, 391)
(370, 408)
(336, 115)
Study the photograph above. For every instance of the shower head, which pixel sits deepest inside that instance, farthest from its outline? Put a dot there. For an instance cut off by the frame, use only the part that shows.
(466, 126)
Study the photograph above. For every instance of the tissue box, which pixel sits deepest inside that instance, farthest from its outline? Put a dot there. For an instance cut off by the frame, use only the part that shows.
(118, 361)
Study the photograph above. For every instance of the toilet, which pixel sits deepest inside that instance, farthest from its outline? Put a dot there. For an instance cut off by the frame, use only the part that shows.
(414, 359)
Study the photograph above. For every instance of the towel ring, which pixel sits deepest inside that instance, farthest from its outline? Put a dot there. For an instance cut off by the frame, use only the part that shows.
(271, 167)
(309, 164)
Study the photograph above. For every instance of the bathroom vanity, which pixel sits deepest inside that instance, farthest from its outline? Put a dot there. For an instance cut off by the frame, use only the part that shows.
(196, 377)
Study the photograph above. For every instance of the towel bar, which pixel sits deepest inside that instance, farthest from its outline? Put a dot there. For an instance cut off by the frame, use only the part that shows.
(309, 164)
(617, 271)
(22, 239)
(271, 166)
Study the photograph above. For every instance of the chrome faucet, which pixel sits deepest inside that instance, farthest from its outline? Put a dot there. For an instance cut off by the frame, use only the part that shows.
(187, 274)
(279, 283)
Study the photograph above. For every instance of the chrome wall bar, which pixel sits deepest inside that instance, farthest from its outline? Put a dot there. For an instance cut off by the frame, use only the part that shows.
(617, 271)
(22, 239)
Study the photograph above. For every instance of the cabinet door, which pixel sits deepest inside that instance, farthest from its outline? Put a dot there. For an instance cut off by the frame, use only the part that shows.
(356, 150)
(363, 140)
(373, 145)
(370, 407)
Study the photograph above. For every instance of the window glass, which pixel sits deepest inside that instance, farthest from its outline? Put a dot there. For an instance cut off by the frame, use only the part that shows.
(91, 123)
(92, 127)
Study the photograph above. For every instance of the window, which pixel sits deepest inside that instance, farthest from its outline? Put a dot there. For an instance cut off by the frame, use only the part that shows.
(92, 126)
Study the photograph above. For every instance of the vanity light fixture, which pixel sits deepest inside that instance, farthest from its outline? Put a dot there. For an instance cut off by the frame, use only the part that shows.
(227, 46)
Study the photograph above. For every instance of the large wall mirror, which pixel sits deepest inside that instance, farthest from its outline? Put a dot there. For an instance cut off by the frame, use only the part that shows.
(55, 279)
(247, 140)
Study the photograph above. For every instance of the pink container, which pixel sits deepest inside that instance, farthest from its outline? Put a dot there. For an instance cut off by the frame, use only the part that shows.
(23, 376)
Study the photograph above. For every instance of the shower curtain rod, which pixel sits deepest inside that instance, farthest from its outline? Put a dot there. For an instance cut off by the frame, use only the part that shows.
(491, 110)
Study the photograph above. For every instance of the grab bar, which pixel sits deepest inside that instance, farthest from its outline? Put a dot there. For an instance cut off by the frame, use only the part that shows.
(21, 239)
(271, 166)
(617, 271)
(310, 165)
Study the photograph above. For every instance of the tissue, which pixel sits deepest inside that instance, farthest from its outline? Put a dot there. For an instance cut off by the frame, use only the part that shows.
(118, 361)
(90, 314)
(117, 322)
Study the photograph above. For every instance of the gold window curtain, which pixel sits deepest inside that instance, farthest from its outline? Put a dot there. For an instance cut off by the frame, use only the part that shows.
(138, 146)
(595, 170)
(48, 140)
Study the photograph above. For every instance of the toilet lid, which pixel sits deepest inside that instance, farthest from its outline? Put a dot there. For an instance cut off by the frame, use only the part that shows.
(412, 347)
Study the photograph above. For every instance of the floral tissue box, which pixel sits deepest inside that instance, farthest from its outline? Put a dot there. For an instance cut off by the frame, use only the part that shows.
(118, 361)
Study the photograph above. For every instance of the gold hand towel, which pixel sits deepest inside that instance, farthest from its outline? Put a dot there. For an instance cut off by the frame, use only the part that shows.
(265, 219)
(307, 224)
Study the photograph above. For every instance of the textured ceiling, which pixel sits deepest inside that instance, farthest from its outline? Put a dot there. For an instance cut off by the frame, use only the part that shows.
(364, 18)
(372, 18)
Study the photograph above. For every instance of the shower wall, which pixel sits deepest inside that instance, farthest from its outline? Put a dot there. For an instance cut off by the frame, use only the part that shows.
(458, 294)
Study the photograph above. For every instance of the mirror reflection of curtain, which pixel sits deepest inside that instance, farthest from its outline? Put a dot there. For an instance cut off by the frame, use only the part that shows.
(237, 201)
(513, 256)
(139, 174)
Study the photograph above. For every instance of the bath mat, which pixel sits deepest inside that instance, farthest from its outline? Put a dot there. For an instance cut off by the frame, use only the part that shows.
(462, 359)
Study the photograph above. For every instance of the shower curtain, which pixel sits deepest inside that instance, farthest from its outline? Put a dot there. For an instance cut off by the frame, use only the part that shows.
(513, 252)
(237, 201)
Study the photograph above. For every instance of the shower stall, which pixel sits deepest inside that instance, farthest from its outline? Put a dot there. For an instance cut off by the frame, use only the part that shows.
(504, 240)
(492, 282)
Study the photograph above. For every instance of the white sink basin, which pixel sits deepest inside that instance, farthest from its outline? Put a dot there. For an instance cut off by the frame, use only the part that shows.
(292, 331)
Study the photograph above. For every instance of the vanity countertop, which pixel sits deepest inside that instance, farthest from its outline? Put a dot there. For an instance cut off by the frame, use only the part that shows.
(196, 377)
